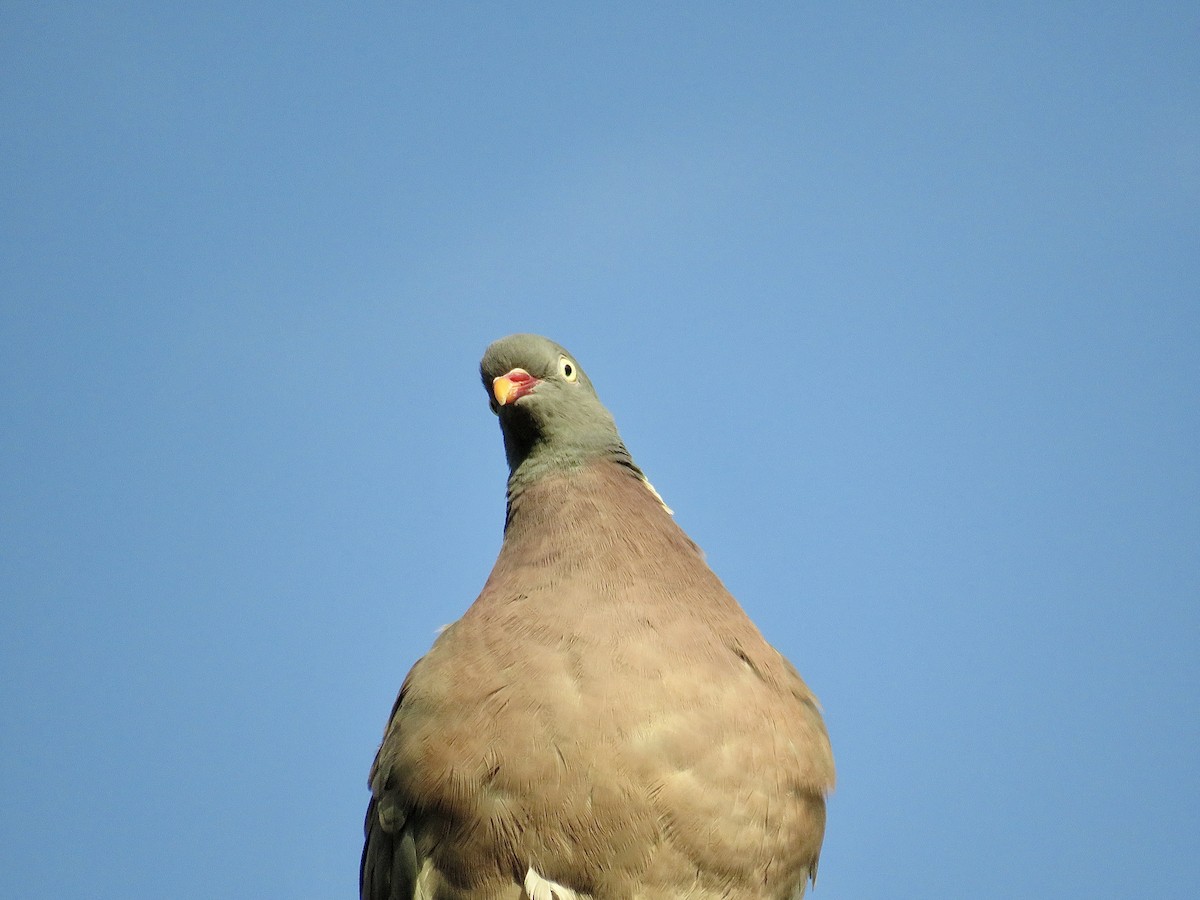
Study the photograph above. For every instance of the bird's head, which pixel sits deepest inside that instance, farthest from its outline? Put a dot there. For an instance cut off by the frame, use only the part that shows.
(549, 412)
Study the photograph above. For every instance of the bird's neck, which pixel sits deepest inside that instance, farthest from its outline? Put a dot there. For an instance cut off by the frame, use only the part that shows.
(541, 464)
(589, 508)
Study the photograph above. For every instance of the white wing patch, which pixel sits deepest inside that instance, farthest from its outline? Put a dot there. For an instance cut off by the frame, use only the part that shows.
(427, 880)
(539, 888)
(657, 496)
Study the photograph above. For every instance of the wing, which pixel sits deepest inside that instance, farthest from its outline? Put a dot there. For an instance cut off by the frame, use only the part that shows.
(388, 870)
(391, 867)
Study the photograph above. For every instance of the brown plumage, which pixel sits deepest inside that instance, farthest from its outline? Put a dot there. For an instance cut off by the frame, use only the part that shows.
(604, 721)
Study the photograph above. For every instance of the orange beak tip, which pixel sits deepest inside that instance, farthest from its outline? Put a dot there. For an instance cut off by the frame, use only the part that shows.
(509, 388)
(502, 387)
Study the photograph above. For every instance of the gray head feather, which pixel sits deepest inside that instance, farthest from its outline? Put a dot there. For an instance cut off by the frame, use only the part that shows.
(559, 424)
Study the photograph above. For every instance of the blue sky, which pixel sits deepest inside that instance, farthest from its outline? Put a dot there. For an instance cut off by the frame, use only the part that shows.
(897, 307)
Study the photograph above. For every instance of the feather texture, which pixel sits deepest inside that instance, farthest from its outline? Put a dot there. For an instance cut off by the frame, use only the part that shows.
(603, 722)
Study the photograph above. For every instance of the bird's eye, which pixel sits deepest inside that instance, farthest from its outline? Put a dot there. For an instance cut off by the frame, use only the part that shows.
(567, 369)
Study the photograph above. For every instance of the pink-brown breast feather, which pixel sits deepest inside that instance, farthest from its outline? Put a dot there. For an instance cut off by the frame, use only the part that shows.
(606, 711)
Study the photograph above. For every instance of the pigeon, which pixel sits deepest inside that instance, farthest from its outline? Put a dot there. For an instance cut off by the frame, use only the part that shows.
(604, 722)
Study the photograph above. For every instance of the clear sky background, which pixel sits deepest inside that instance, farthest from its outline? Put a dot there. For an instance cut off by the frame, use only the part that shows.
(897, 305)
